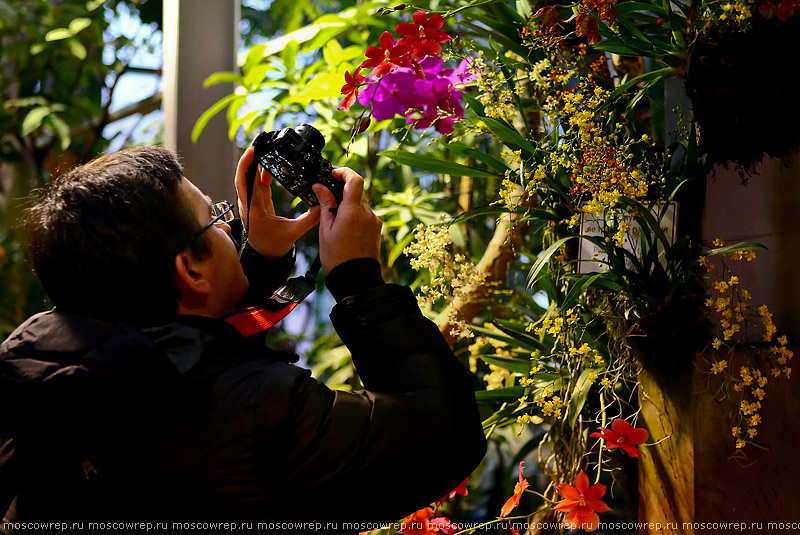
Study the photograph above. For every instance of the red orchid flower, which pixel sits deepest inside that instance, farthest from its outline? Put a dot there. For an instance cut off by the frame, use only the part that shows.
(581, 503)
(351, 88)
(461, 490)
(519, 488)
(386, 58)
(623, 435)
(423, 35)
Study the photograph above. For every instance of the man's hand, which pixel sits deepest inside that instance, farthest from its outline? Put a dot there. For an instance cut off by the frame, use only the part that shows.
(270, 235)
(354, 231)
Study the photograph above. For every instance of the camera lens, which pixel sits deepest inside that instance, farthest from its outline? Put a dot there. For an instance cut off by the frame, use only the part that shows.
(311, 135)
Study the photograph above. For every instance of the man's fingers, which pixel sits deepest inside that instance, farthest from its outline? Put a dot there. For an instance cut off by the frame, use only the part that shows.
(327, 202)
(306, 221)
(353, 185)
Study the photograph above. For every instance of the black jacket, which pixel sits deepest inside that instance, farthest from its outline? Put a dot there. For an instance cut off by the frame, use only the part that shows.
(192, 422)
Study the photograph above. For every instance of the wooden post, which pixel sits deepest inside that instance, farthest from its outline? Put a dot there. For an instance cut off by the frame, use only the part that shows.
(690, 482)
(200, 38)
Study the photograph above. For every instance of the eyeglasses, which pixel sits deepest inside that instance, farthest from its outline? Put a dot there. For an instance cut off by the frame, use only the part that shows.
(222, 212)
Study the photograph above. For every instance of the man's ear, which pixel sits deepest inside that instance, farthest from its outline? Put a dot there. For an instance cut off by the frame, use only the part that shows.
(191, 281)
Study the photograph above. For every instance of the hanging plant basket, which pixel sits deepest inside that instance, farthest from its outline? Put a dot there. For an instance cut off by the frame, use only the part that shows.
(742, 88)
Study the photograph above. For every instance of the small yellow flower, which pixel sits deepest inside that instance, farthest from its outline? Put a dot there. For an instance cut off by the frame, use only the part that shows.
(716, 343)
(717, 367)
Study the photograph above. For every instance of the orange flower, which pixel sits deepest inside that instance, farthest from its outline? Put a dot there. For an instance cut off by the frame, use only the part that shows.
(461, 490)
(623, 435)
(581, 503)
(420, 523)
(519, 488)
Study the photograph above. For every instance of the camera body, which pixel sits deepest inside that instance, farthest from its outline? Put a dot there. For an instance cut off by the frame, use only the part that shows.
(294, 158)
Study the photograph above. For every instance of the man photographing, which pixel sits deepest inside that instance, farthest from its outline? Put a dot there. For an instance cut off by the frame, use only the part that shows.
(134, 400)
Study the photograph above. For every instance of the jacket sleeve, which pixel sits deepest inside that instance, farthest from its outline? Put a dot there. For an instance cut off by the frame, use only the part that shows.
(379, 454)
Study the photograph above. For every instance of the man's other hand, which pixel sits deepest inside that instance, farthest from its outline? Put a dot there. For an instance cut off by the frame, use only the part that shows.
(353, 231)
(270, 235)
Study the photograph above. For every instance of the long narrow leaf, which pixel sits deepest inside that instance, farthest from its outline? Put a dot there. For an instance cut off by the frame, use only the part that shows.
(434, 165)
(508, 135)
(544, 258)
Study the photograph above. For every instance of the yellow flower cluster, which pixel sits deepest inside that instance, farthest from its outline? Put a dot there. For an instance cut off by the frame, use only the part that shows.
(496, 378)
(751, 382)
(738, 11)
(452, 275)
(551, 406)
(766, 319)
(602, 163)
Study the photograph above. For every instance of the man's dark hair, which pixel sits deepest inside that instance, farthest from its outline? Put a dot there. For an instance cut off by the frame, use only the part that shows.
(103, 237)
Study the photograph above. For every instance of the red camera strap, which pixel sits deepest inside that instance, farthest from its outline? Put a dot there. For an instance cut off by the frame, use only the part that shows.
(256, 319)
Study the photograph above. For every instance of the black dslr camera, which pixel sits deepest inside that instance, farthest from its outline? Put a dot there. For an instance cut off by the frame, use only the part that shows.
(294, 158)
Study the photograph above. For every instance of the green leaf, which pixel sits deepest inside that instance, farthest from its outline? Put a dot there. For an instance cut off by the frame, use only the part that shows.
(222, 78)
(629, 7)
(79, 24)
(434, 165)
(77, 48)
(524, 8)
(58, 34)
(666, 72)
(398, 248)
(256, 75)
(508, 135)
(544, 258)
(289, 54)
(488, 159)
(579, 395)
(254, 56)
(474, 104)
(233, 115)
(62, 130)
(522, 366)
(578, 288)
(510, 393)
(517, 331)
(332, 53)
(33, 119)
(209, 113)
(735, 248)
(37, 48)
